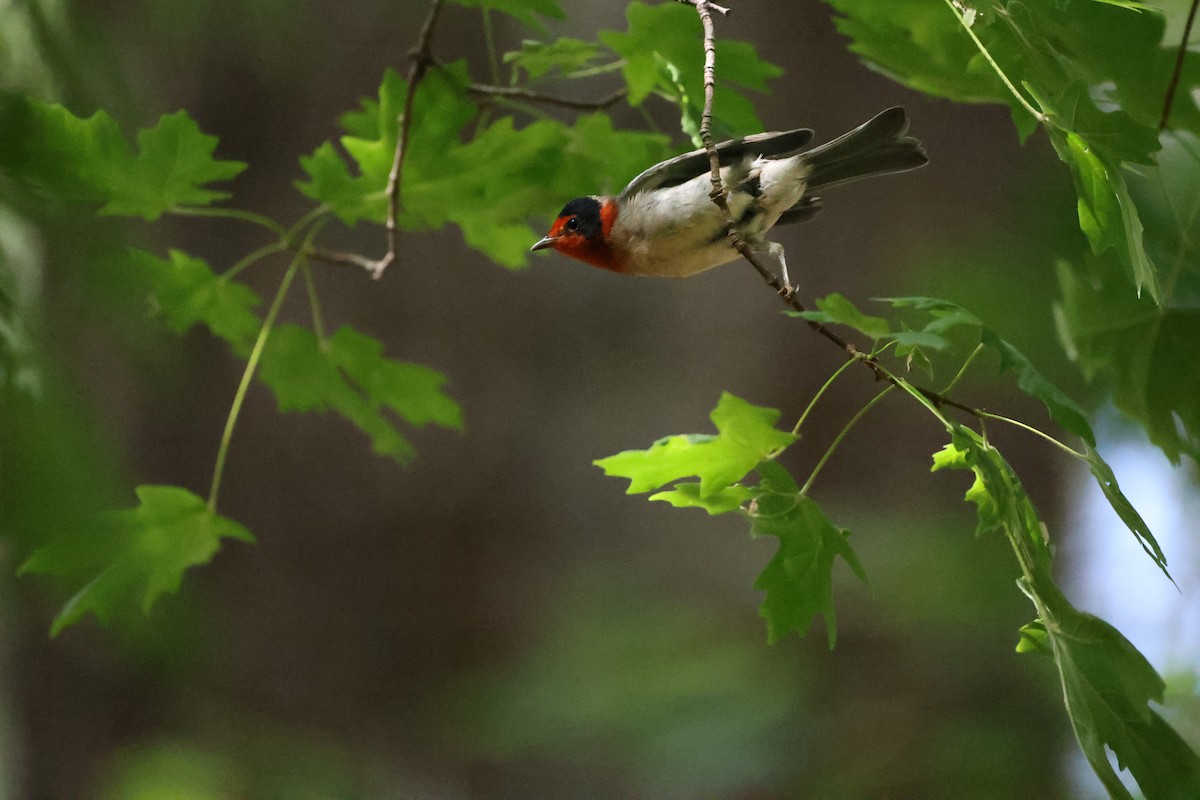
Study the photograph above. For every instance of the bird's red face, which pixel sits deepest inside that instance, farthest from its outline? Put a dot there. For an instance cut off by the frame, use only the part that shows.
(582, 232)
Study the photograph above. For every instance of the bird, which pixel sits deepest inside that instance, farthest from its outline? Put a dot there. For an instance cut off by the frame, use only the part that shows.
(664, 223)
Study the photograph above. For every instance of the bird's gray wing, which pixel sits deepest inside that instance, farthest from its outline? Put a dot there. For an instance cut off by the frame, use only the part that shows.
(803, 211)
(682, 168)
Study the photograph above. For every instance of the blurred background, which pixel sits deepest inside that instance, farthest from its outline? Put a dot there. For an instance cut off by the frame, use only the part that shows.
(499, 620)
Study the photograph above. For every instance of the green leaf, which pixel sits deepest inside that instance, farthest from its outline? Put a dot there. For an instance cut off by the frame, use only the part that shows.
(350, 376)
(186, 292)
(1108, 687)
(565, 55)
(687, 495)
(135, 556)
(490, 186)
(798, 580)
(50, 149)
(412, 391)
(746, 435)
(1107, 684)
(1104, 476)
(1097, 71)
(174, 162)
(836, 309)
(1107, 213)
(950, 457)
(1141, 350)
(663, 51)
(944, 316)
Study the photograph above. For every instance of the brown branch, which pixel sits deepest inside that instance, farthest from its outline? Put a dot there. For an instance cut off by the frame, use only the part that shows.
(1177, 73)
(719, 195)
(725, 12)
(422, 59)
(518, 93)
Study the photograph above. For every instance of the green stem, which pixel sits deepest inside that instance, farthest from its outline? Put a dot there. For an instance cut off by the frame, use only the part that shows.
(253, 258)
(963, 369)
(240, 396)
(489, 37)
(1038, 115)
(232, 213)
(817, 396)
(842, 435)
(1035, 431)
(315, 305)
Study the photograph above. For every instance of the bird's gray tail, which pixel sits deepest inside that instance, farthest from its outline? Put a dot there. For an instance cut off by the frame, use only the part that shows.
(876, 147)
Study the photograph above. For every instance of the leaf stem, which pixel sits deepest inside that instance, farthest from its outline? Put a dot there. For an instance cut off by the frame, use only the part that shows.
(812, 403)
(251, 364)
(314, 303)
(842, 435)
(1035, 431)
(1038, 115)
(253, 258)
(232, 213)
(963, 369)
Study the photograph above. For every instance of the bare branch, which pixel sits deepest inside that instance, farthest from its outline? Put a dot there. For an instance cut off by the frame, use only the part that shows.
(422, 59)
(722, 10)
(519, 93)
(337, 257)
(720, 198)
(1178, 71)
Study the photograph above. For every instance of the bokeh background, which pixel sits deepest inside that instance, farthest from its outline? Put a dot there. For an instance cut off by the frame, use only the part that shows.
(499, 620)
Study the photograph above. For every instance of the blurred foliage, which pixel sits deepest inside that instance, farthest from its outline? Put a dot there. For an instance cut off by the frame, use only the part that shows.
(1095, 77)
(1090, 73)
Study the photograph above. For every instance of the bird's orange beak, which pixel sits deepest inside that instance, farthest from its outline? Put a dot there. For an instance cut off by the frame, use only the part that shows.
(543, 243)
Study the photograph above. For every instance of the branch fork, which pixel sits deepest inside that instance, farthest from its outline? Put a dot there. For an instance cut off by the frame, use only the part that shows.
(719, 195)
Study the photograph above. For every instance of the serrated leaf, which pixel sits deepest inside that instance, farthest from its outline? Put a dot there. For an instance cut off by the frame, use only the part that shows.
(1107, 481)
(687, 495)
(1097, 71)
(950, 457)
(663, 51)
(351, 377)
(798, 580)
(746, 435)
(489, 186)
(135, 556)
(1107, 684)
(186, 291)
(565, 55)
(412, 391)
(1108, 687)
(945, 316)
(836, 309)
(56, 152)
(173, 165)
(1138, 348)
(47, 147)
(1107, 213)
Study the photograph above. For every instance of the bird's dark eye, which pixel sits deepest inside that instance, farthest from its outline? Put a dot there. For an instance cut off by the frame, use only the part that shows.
(572, 224)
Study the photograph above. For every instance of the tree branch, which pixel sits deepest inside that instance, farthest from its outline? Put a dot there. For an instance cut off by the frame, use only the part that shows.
(720, 198)
(1178, 71)
(422, 59)
(519, 93)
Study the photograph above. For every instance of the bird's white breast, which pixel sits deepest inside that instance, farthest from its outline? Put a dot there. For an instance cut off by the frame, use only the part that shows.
(679, 231)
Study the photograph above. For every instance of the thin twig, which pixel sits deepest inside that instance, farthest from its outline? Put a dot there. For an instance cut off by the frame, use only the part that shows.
(1177, 73)
(719, 197)
(722, 10)
(422, 59)
(519, 93)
